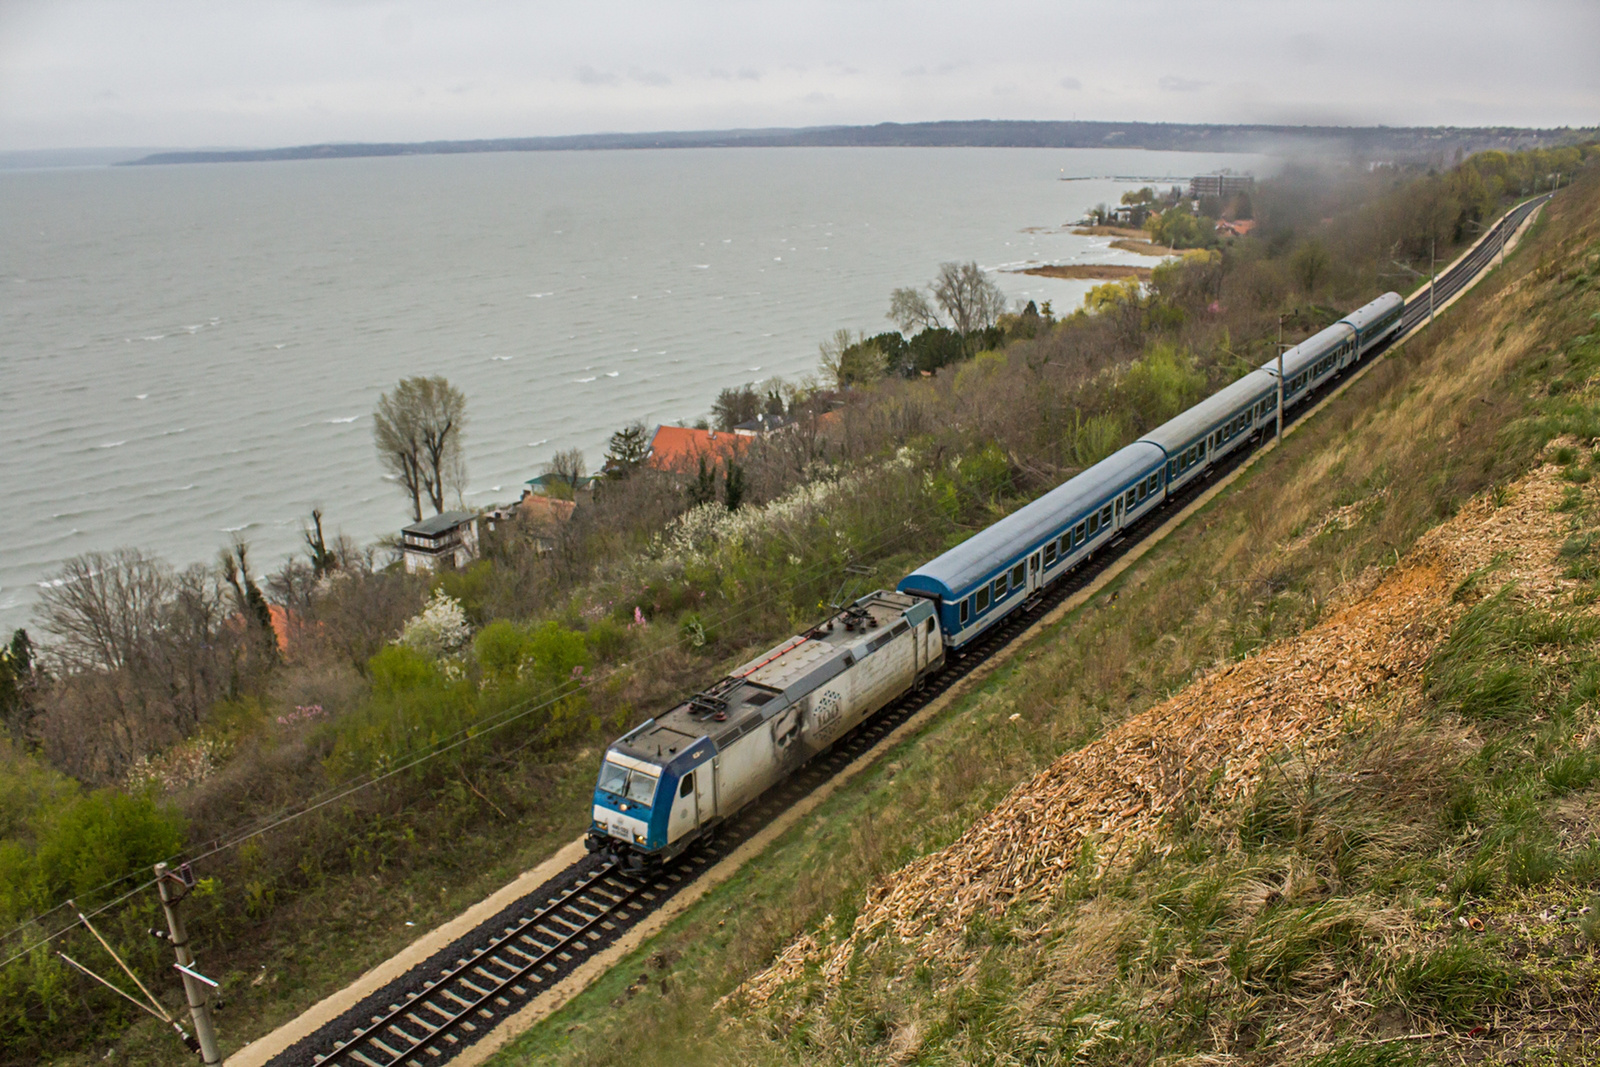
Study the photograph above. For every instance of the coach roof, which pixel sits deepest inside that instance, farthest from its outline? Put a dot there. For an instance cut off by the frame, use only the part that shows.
(1177, 433)
(979, 556)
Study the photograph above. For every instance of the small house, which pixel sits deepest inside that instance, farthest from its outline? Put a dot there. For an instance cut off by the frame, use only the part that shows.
(449, 539)
(679, 449)
(764, 424)
(556, 485)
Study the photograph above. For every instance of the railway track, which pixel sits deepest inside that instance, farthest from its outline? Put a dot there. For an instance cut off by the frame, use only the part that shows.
(447, 1003)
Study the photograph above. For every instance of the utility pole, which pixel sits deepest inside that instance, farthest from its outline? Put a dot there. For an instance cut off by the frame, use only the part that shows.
(1280, 379)
(1433, 268)
(173, 889)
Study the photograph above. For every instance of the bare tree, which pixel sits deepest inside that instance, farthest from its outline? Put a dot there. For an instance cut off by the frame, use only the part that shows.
(569, 467)
(909, 309)
(967, 296)
(734, 406)
(417, 428)
(105, 609)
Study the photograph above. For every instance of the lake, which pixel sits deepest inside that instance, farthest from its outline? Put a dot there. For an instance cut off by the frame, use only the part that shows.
(193, 352)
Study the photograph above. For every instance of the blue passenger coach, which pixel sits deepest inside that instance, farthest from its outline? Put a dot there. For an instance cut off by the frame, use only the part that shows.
(987, 576)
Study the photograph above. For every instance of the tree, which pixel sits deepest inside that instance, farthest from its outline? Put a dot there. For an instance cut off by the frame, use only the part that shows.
(626, 450)
(703, 490)
(568, 467)
(17, 684)
(417, 428)
(247, 594)
(323, 559)
(1310, 263)
(105, 609)
(969, 298)
(851, 361)
(734, 406)
(733, 486)
(909, 309)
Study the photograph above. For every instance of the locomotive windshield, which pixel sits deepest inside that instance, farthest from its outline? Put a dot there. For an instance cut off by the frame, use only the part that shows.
(628, 783)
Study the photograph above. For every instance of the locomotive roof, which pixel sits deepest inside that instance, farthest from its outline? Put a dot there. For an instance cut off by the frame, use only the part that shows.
(756, 691)
(979, 556)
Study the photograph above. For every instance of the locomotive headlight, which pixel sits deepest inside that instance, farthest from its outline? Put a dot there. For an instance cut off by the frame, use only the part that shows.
(638, 838)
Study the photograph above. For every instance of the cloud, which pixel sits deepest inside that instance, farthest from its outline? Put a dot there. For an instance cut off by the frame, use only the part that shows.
(1070, 84)
(649, 77)
(1171, 83)
(589, 76)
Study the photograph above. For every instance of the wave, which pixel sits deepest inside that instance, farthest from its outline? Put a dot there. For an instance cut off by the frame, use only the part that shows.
(112, 444)
(155, 337)
(503, 359)
(141, 396)
(236, 529)
(540, 441)
(583, 381)
(614, 373)
(541, 296)
(352, 418)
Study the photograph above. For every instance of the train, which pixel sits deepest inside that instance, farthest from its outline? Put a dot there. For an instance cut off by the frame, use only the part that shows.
(673, 780)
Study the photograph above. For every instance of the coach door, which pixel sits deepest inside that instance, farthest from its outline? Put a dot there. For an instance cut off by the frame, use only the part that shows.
(1035, 573)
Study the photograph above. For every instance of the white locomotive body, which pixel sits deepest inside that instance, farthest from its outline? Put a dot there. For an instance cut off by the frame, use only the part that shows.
(677, 776)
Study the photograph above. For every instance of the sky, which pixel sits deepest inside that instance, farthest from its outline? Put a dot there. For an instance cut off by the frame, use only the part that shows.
(180, 73)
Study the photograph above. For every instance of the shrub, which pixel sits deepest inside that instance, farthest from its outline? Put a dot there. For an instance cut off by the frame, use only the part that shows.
(439, 630)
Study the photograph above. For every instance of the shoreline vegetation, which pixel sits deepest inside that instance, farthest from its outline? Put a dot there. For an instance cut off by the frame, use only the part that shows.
(1106, 272)
(432, 735)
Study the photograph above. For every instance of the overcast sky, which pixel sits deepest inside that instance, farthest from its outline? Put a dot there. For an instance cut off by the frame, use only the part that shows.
(265, 73)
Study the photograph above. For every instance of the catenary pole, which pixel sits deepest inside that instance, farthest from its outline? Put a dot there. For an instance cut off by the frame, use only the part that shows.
(1280, 379)
(1433, 269)
(198, 1008)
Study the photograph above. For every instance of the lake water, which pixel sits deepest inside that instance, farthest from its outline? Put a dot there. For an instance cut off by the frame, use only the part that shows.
(194, 352)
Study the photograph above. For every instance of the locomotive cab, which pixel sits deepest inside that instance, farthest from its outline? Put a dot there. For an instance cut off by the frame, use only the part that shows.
(650, 807)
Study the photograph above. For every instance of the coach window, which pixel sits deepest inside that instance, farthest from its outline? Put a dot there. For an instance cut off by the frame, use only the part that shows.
(1141, 491)
(1105, 515)
(1019, 575)
(982, 600)
(999, 589)
(1094, 524)
(1049, 553)
(930, 624)
(1077, 536)
(965, 610)
(688, 785)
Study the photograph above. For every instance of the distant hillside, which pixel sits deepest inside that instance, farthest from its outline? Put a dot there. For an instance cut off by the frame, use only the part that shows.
(1367, 142)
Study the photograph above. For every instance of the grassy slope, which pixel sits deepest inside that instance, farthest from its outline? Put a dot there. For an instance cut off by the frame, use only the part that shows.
(1465, 407)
